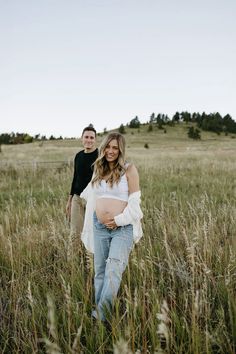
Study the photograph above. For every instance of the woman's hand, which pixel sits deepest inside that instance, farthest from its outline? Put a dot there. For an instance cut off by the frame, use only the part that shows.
(111, 225)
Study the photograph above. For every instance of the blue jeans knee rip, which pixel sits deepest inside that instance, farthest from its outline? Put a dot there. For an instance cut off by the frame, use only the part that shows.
(116, 266)
(115, 260)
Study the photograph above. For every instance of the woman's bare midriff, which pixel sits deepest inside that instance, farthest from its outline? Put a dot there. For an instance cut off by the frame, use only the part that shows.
(107, 208)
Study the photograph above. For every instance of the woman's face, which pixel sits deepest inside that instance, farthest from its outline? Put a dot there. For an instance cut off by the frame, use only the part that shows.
(112, 151)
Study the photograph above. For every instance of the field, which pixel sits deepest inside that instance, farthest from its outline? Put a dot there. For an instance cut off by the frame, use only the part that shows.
(178, 292)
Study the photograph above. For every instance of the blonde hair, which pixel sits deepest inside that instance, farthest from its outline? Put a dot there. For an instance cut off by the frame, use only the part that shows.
(101, 166)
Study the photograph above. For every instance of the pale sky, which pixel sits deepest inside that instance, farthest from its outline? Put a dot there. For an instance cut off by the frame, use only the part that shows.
(65, 64)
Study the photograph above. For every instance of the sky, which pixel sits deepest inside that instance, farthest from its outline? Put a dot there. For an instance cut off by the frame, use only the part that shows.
(66, 64)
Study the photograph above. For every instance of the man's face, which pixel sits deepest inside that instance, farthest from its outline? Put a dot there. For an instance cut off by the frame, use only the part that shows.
(89, 140)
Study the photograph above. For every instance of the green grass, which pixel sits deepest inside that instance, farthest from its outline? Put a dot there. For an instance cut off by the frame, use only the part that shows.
(178, 292)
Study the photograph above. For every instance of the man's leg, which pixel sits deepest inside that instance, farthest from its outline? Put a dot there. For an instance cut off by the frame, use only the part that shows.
(77, 216)
(76, 225)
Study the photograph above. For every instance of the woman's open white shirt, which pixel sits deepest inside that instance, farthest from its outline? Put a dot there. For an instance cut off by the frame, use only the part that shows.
(132, 214)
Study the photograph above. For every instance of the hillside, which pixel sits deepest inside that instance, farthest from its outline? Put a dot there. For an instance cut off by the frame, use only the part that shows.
(175, 139)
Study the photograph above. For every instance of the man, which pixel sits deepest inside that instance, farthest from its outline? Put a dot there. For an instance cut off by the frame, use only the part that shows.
(83, 171)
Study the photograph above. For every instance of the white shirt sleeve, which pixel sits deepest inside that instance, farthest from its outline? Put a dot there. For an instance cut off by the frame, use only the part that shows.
(132, 211)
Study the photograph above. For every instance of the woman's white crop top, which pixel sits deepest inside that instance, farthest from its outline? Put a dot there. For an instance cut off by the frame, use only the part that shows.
(118, 191)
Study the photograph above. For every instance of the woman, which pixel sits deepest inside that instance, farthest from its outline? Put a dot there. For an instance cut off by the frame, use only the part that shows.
(113, 197)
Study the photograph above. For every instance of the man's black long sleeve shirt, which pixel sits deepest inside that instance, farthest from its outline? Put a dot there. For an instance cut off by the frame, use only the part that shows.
(83, 170)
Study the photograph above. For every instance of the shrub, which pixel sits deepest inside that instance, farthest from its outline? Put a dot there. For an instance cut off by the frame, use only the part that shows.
(194, 133)
(122, 129)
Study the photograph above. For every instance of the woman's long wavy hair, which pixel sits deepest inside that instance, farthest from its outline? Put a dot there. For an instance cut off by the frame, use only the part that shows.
(101, 166)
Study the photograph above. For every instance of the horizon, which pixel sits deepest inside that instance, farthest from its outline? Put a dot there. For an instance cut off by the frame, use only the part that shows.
(126, 125)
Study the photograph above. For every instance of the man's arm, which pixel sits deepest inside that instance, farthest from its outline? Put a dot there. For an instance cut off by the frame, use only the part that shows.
(68, 205)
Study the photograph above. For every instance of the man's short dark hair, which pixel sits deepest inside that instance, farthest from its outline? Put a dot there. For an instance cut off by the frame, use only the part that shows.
(89, 128)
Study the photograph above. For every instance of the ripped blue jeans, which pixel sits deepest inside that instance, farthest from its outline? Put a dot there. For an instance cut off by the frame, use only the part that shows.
(111, 254)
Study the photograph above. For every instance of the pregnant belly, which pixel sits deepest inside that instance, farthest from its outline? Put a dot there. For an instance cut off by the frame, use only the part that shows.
(107, 208)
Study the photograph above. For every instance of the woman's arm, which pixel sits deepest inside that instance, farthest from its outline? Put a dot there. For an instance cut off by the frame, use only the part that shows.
(133, 179)
(132, 211)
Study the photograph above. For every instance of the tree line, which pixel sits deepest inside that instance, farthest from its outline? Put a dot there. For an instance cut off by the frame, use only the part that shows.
(214, 122)
(23, 138)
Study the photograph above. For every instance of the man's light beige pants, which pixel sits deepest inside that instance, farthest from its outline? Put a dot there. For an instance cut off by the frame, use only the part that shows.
(76, 225)
(77, 216)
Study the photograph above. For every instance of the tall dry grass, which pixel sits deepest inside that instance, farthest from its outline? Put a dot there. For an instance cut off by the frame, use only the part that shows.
(178, 292)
